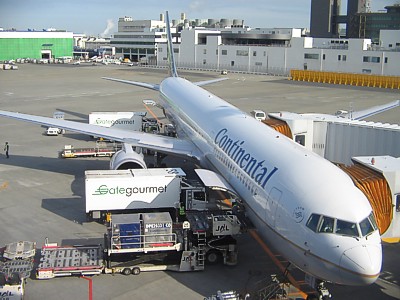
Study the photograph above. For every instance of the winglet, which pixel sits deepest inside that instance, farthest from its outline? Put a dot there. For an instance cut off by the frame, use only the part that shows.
(170, 50)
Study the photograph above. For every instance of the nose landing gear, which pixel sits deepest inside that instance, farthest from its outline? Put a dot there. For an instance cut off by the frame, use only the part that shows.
(322, 292)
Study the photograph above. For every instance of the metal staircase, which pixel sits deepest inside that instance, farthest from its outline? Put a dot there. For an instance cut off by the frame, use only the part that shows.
(201, 245)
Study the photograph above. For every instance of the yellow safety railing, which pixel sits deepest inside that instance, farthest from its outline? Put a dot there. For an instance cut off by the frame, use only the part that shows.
(388, 82)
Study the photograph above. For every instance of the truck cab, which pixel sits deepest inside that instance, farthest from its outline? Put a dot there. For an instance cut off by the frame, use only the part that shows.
(258, 114)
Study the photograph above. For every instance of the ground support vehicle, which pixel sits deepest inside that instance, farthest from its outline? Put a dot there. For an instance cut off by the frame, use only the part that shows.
(133, 241)
(132, 121)
(99, 151)
(121, 120)
(53, 130)
(213, 233)
(16, 264)
(154, 189)
(58, 261)
(229, 295)
(148, 242)
(127, 191)
(141, 242)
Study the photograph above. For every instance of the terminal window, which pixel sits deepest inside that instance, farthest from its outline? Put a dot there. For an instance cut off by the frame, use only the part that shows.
(373, 59)
(242, 53)
(311, 55)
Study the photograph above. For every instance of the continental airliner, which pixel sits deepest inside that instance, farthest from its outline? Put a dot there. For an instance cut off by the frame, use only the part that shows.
(303, 205)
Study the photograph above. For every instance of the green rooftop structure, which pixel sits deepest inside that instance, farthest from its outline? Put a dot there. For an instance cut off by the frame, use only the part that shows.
(35, 44)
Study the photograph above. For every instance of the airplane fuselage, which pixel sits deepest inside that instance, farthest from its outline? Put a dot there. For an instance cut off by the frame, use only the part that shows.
(281, 183)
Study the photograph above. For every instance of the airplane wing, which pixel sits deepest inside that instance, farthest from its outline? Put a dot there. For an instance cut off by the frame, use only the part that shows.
(362, 114)
(160, 143)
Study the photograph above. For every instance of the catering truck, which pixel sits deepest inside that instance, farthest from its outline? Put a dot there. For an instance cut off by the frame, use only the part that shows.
(119, 120)
(151, 241)
(124, 191)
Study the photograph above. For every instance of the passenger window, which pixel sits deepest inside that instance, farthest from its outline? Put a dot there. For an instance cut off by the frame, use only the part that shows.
(346, 228)
(327, 225)
(313, 221)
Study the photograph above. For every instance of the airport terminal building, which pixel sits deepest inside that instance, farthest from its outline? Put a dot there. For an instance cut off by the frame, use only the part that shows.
(277, 51)
(35, 44)
(229, 45)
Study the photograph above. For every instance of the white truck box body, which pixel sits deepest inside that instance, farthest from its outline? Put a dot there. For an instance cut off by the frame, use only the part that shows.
(108, 190)
(12, 292)
(120, 120)
(52, 131)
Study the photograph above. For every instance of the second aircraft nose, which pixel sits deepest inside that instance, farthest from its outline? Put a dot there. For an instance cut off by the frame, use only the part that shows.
(361, 265)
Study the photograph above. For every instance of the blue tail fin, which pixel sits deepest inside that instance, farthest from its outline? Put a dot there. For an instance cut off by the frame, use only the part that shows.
(170, 50)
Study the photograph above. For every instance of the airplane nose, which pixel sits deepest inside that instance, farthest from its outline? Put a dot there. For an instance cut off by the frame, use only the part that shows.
(361, 265)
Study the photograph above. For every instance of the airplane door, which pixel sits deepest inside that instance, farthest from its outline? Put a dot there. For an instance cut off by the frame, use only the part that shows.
(273, 202)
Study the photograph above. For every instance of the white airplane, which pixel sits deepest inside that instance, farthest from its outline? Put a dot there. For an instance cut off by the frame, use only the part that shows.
(301, 204)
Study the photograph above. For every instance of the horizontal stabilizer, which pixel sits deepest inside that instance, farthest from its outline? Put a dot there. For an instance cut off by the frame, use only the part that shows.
(150, 86)
(205, 82)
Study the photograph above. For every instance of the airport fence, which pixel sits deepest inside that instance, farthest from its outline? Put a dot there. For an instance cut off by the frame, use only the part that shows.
(226, 67)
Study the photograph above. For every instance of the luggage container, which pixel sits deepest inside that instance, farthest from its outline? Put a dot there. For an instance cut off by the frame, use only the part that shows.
(126, 231)
(157, 229)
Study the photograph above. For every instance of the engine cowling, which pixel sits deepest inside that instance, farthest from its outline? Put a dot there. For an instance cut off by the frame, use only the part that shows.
(127, 158)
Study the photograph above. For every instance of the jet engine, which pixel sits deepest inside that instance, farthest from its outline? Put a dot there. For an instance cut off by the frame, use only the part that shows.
(127, 158)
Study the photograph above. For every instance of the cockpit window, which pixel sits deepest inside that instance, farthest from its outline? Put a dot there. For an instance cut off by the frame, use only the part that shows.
(313, 221)
(371, 218)
(368, 225)
(346, 228)
(323, 224)
(327, 224)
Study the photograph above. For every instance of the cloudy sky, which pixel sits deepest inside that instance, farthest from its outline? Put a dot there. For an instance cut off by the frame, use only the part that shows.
(93, 17)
